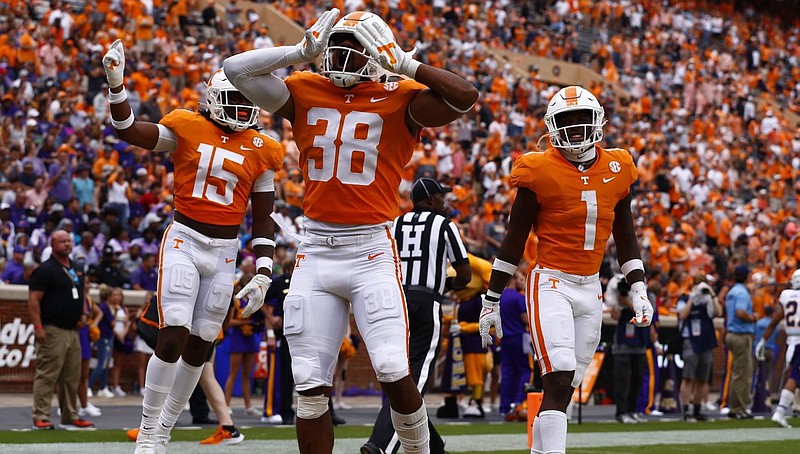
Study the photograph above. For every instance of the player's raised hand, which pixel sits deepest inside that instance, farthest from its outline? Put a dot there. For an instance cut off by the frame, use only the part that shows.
(114, 64)
(490, 316)
(316, 37)
(379, 42)
(255, 291)
(643, 310)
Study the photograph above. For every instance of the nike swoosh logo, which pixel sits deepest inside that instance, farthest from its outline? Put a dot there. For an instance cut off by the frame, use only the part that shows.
(413, 423)
(606, 180)
(372, 256)
(373, 99)
(244, 148)
(229, 260)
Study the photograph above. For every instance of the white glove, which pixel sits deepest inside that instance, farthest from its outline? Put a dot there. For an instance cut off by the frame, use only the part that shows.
(316, 37)
(381, 46)
(760, 354)
(255, 290)
(114, 64)
(641, 305)
(490, 316)
(455, 328)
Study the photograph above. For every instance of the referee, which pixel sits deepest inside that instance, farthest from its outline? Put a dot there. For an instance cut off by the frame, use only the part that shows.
(427, 241)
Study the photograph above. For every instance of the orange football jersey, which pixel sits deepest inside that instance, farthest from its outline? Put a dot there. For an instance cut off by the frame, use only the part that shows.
(576, 210)
(353, 146)
(215, 170)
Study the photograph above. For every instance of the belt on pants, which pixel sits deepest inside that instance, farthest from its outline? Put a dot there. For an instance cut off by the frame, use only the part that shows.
(322, 240)
(567, 276)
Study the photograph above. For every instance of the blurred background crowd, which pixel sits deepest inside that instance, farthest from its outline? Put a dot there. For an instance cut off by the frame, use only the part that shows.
(709, 111)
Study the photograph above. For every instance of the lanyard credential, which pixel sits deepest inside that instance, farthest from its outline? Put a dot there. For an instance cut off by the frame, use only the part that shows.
(72, 278)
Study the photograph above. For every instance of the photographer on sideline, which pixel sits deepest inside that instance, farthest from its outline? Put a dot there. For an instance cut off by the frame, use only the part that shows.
(699, 339)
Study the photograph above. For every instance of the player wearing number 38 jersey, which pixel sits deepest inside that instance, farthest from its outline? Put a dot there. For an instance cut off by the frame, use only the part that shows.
(356, 128)
(574, 195)
(221, 163)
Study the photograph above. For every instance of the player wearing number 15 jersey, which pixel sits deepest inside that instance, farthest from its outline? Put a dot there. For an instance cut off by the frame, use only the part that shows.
(356, 129)
(575, 195)
(220, 164)
(786, 312)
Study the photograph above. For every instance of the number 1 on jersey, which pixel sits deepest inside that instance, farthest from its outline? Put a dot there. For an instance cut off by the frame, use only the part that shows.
(590, 227)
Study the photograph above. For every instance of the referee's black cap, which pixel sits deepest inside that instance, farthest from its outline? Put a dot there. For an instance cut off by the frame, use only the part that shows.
(425, 188)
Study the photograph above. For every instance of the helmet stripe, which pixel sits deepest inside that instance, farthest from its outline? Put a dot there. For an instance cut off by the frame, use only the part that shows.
(351, 20)
(571, 95)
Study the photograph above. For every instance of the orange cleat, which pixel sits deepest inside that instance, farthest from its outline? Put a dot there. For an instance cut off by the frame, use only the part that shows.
(223, 437)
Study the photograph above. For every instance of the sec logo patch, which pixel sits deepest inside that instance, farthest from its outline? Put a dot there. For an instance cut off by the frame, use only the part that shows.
(258, 142)
(391, 86)
(614, 166)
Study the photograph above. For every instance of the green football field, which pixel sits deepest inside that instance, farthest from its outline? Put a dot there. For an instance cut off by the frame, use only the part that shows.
(721, 436)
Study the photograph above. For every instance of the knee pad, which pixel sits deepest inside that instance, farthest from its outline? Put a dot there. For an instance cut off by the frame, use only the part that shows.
(208, 330)
(311, 367)
(311, 407)
(390, 363)
(562, 360)
(176, 315)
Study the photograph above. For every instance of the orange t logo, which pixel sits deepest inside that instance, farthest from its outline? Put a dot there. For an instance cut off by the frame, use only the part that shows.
(178, 243)
(387, 48)
(299, 257)
(553, 281)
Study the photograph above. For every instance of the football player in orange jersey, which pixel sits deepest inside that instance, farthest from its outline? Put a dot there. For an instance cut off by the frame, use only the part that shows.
(355, 133)
(574, 195)
(221, 162)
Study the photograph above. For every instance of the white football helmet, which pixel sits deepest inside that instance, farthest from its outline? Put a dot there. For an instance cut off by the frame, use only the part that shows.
(794, 281)
(570, 99)
(227, 105)
(343, 65)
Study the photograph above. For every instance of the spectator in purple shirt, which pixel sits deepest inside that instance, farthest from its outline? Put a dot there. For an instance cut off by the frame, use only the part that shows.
(146, 276)
(60, 182)
(15, 269)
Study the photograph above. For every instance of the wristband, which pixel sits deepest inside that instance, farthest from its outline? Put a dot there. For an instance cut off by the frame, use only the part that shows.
(261, 241)
(264, 262)
(411, 69)
(270, 333)
(632, 264)
(492, 296)
(38, 326)
(117, 98)
(124, 124)
(504, 267)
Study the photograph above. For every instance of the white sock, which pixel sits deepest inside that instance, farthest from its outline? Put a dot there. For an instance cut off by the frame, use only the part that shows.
(785, 402)
(412, 430)
(537, 437)
(186, 378)
(553, 428)
(158, 381)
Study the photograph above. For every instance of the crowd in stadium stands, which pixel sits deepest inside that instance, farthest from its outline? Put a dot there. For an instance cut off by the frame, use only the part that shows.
(709, 87)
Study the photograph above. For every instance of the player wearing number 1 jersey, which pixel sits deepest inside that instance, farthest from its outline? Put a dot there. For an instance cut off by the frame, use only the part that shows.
(220, 164)
(575, 195)
(356, 130)
(786, 312)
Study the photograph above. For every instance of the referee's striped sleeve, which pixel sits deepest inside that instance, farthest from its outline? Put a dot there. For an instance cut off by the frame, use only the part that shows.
(456, 251)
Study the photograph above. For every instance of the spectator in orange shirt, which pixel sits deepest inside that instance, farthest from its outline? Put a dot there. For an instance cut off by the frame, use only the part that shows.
(678, 253)
(293, 190)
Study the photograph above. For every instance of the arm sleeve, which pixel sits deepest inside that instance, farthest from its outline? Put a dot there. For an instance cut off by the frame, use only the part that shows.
(251, 73)
(167, 140)
(457, 253)
(265, 182)
(36, 282)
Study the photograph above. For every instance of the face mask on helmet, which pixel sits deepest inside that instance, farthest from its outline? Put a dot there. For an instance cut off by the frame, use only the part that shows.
(574, 121)
(346, 63)
(229, 107)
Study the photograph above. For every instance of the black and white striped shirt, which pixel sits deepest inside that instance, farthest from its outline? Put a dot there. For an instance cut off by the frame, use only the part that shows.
(427, 242)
